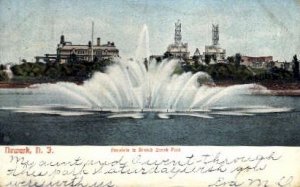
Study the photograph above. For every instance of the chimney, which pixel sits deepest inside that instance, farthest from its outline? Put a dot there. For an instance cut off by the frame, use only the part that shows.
(90, 44)
(98, 41)
(62, 39)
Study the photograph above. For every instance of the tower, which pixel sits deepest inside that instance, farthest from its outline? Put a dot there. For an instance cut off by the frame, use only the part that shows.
(215, 34)
(62, 39)
(177, 33)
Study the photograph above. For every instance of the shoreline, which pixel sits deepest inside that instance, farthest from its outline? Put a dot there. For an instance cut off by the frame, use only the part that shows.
(275, 88)
(16, 85)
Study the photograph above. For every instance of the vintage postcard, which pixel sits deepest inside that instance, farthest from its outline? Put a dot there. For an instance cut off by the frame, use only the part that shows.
(150, 93)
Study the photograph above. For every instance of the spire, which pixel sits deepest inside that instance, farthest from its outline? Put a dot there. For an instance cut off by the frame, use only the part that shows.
(178, 33)
(197, 52)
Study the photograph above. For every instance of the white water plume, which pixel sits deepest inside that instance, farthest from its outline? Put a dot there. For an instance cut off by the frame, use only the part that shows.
(143, 49)
(128, 85)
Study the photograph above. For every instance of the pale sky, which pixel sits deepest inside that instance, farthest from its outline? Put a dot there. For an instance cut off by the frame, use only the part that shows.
(33, 27)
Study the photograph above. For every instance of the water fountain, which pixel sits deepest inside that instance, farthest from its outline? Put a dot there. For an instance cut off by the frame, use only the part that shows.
(132, 86)
(8, 71)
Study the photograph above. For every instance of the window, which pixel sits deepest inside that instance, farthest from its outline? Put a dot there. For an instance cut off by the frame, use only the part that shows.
(80, 52)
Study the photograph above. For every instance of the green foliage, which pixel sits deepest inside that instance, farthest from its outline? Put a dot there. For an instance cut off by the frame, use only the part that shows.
(167, 55)
(230, 59)
(29, 69)
(240, 73)
(3, 76)
(52, 73)
(79, 70)
(178, 70)
(207, 59)
(237, 59)
(296, 67)
(221, 71)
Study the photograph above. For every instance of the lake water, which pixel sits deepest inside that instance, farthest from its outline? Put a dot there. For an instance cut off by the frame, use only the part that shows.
(37, 118)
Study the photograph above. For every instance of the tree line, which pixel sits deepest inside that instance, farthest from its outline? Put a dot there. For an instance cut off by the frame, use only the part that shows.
(79, 70)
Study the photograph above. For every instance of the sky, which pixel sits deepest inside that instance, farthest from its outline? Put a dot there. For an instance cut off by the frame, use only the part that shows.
(254, 28)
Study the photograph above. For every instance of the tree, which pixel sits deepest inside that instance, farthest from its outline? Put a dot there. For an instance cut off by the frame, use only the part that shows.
(296, 67)
(207, 59)
(230, 59)
(73, 58)
(271, 65)
(167, 55)
(214, 57)
(158, 59)
(3, 76)
(96, 59)
(196, 61)
(237, 59)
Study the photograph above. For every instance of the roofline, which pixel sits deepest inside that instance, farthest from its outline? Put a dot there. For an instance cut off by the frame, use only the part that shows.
(257, 56)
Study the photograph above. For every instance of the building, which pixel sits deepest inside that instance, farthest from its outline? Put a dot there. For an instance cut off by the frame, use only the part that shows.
(178, 49)
(197, 57)
(215, 51)
(258, 62)
(284, 65)
(68, 52)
